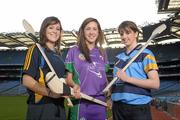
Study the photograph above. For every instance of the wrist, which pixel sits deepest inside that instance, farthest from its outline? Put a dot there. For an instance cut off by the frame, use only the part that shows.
(74, 85)
(49, 92)
(129, 80)
(71, 85)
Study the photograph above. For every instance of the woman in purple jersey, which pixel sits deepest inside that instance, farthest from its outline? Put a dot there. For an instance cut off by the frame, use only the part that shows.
(86, 63)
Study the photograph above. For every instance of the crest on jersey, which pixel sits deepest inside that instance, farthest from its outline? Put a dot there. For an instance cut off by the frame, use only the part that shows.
(81, 57)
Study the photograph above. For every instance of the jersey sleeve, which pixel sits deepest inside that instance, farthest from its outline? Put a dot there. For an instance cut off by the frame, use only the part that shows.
(149, 62)
(31, 63)
(107, 66)
(69, 60)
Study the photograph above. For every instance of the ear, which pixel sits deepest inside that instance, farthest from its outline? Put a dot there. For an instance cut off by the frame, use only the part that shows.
(136, 34)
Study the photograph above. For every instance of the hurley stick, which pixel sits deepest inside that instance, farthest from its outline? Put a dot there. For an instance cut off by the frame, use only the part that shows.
(61, 89)
(74, 33)
(156, 32)
(29, 29)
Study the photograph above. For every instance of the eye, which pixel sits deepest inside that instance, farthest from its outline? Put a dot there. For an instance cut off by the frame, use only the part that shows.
(121, 34)
(95, 28)
(50, 27)
(88, 28)
(129, 32)
(58, 29)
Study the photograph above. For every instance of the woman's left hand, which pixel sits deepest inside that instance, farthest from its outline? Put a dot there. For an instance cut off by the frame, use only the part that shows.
(76, 90)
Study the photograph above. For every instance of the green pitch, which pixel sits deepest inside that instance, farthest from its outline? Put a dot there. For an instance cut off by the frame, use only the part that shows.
(13, 107)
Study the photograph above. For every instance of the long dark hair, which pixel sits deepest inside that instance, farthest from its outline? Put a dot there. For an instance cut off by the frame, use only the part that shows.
(82, 40)
(42, 34)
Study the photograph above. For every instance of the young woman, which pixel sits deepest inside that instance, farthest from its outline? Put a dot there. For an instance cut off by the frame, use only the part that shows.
(43, 104)
(86, 63)
(131, 93)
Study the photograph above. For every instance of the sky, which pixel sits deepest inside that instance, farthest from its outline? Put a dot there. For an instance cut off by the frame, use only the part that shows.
(110, 13)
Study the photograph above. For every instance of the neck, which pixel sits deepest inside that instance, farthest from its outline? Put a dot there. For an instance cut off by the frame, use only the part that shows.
(90, 45)
(130, 47)
(51, 46)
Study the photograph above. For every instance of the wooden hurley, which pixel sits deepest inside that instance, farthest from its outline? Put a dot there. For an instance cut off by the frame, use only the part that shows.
(30, 31)
(57, 86)
(156, 32)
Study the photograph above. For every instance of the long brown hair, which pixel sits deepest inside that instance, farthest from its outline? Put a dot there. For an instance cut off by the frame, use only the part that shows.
(42, 34)
(82, 40)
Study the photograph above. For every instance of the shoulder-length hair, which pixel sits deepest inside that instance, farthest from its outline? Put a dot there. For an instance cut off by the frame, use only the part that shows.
(42, 34)
(126, 25)
(82, 40)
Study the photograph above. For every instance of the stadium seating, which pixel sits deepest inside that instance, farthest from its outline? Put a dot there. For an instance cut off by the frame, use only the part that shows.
(11, 64)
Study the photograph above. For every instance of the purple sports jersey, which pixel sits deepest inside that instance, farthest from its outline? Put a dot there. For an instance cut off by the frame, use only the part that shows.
(92, 80)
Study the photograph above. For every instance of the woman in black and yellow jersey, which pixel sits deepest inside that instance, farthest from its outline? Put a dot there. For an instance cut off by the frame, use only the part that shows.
(43, 104)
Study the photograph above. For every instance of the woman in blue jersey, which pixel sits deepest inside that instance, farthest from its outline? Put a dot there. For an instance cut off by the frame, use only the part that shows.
(43, 104)
(131, 94)
(86, 63)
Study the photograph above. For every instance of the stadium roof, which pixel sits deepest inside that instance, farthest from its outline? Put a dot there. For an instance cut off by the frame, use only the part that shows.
(165, 6)
(112, 38)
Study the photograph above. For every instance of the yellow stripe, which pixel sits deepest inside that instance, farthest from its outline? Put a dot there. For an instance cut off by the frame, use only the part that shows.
(38, 97)
(28, 57)
(150, 67)
(151, 58)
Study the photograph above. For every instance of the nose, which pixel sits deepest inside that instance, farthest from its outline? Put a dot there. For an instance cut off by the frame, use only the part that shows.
(91, 32)
(54, 31)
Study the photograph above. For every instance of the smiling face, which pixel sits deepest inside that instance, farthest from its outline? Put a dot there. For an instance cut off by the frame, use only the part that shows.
(91, 32)
(129, 33)
(128, 37)
(50, 33)
(53, 32)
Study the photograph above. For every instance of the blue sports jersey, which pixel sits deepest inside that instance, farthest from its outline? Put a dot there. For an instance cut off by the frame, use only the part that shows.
(129, 93)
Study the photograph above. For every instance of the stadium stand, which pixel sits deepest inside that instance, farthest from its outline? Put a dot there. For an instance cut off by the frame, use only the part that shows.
(167, 55)
(12, 88)
(168, 61)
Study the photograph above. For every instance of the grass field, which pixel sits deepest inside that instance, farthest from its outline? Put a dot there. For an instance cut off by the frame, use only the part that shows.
(14, 107)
